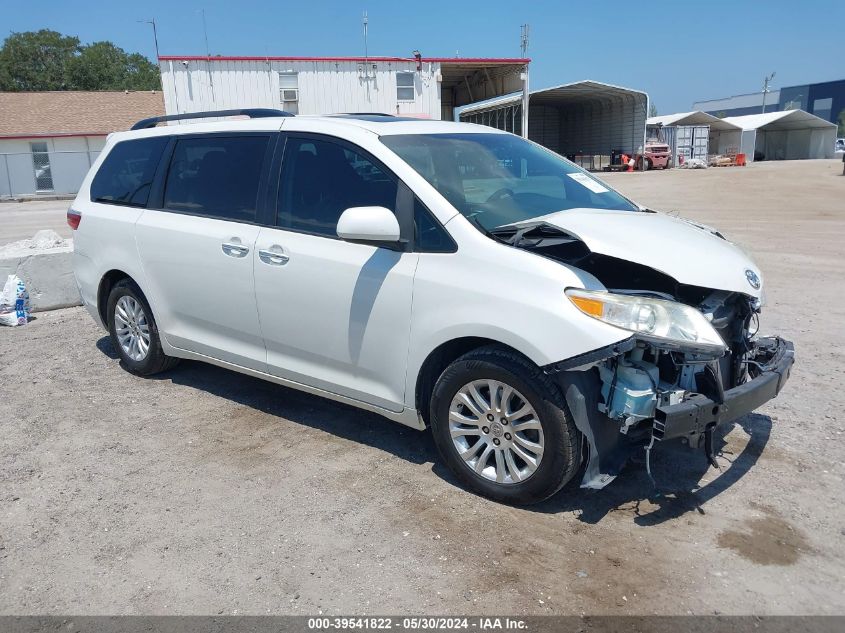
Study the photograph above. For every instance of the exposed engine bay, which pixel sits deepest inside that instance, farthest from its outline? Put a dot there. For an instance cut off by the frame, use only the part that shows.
(649, 391)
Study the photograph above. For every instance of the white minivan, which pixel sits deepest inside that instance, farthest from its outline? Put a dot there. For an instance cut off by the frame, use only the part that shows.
(440, 274)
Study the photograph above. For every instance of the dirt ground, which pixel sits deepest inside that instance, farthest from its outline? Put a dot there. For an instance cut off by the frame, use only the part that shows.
(206, 492)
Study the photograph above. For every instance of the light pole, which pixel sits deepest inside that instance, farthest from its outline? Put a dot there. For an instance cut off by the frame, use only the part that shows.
(766, 89)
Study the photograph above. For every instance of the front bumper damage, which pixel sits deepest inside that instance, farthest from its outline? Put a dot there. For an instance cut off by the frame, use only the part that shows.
(693, 419)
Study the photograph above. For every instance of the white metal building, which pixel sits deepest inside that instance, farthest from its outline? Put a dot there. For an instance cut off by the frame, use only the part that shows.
(586, 120)
(786, 135)
(415, 86)
(48, 140)
(695, 134)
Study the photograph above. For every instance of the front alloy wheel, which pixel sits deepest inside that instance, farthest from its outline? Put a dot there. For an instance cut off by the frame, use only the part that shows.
(502, 426)
(496, 431)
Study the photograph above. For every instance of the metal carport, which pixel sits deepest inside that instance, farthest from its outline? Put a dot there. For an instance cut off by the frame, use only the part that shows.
(787, 135)
(585, 120)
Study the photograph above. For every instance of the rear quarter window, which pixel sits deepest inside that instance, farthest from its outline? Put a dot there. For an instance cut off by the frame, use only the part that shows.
(126, 175)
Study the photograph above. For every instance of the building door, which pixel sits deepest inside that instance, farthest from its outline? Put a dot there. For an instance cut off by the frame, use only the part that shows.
(41, 167)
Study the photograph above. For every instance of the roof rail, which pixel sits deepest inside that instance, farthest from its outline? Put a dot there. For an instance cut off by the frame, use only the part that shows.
(252, 113)
(363, 114)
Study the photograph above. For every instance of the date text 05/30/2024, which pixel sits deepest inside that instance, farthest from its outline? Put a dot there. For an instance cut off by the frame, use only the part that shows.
(416, 623)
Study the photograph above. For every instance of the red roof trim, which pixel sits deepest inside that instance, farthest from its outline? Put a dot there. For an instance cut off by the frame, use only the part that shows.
(442, 60)
(54, 135)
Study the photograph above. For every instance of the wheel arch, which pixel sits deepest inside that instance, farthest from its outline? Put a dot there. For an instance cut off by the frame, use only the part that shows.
(440, 358)
(107, 282)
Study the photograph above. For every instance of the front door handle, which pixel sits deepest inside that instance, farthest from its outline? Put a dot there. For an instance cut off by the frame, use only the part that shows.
(235, 250)
(274, 258)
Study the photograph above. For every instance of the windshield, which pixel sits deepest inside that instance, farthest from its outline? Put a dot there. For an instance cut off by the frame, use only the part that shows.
(499, 179)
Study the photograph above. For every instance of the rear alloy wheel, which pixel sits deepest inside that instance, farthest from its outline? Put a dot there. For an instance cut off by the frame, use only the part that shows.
(502, 427)
(132, 328)
(133, 331)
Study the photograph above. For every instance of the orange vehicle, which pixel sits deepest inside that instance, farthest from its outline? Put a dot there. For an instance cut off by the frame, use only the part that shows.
(656, 154)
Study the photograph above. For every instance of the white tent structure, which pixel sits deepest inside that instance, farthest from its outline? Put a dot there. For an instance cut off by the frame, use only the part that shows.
(787, 135)
(723, 136)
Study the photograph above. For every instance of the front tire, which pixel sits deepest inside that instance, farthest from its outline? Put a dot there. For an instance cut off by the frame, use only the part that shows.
(133, 331)
(502, 427)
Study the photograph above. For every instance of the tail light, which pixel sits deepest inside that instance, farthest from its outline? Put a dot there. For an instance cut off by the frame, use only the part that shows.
(74, 217)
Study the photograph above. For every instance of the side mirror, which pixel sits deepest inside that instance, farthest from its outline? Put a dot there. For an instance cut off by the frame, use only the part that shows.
(368, 224)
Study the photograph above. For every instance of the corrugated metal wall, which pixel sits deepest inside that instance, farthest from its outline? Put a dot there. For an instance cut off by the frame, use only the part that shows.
(324, 86)
(591, 128)
(597, 127)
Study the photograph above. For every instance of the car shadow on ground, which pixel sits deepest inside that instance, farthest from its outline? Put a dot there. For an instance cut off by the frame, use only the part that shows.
(677, 470)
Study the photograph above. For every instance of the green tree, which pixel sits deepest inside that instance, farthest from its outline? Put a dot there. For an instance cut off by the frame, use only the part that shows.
(841, 123)
(104, 66)
(47, 60)
(36, 60)
(652, 110)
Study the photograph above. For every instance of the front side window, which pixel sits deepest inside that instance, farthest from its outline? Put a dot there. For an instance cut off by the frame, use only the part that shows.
(499, 179)
(126, 175)
(216, 176)
(321, 179)
(404, 86)
(429, 235)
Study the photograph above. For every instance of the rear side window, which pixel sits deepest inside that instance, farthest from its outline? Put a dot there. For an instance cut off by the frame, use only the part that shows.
(321, 179)
(126, 175)
(216, 176)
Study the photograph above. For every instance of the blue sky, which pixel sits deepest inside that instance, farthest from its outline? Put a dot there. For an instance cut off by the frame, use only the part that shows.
(678, 52)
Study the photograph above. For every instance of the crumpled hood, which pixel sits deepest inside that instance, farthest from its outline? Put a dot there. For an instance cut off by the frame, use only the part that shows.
(689, 253)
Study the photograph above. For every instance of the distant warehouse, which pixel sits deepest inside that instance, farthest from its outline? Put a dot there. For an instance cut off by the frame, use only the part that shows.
(424, 87)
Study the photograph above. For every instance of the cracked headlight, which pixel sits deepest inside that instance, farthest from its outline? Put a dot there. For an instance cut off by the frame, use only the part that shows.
(668, 324)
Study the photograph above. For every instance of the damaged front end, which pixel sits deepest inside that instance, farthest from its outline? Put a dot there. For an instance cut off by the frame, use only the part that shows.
(694, 359)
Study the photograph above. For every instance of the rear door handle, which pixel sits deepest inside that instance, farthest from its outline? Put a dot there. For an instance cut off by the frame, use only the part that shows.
(274, 258)
(235, 250)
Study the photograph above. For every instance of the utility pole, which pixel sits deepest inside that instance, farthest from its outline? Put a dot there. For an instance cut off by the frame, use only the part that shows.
(523, 38)
(207, 55)
(155, 33)
(766, 89)
(523, 45)
(366, 56)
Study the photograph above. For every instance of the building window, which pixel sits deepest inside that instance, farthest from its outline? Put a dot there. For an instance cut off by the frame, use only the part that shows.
(822, 108)
(404, 86)
(41, 166)
(289, 92)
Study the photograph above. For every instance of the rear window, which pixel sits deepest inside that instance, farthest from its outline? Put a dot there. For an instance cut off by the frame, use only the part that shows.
(126, 175)
(216, 176)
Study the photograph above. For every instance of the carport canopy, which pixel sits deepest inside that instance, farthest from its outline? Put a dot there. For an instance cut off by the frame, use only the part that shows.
(696, 117)
(586, 117)
(785, 120)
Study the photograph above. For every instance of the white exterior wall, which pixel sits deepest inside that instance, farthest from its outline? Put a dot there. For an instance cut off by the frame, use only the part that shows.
(325, 87)
(70, 159)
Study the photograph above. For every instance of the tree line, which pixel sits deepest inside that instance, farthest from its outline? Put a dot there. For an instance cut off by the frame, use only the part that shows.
(48, 60)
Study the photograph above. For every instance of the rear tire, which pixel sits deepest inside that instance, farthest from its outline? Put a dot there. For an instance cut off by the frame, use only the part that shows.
(487, 444)
(133, 331)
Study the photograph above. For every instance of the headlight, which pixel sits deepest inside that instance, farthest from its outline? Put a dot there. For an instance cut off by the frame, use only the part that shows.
(669, 324)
